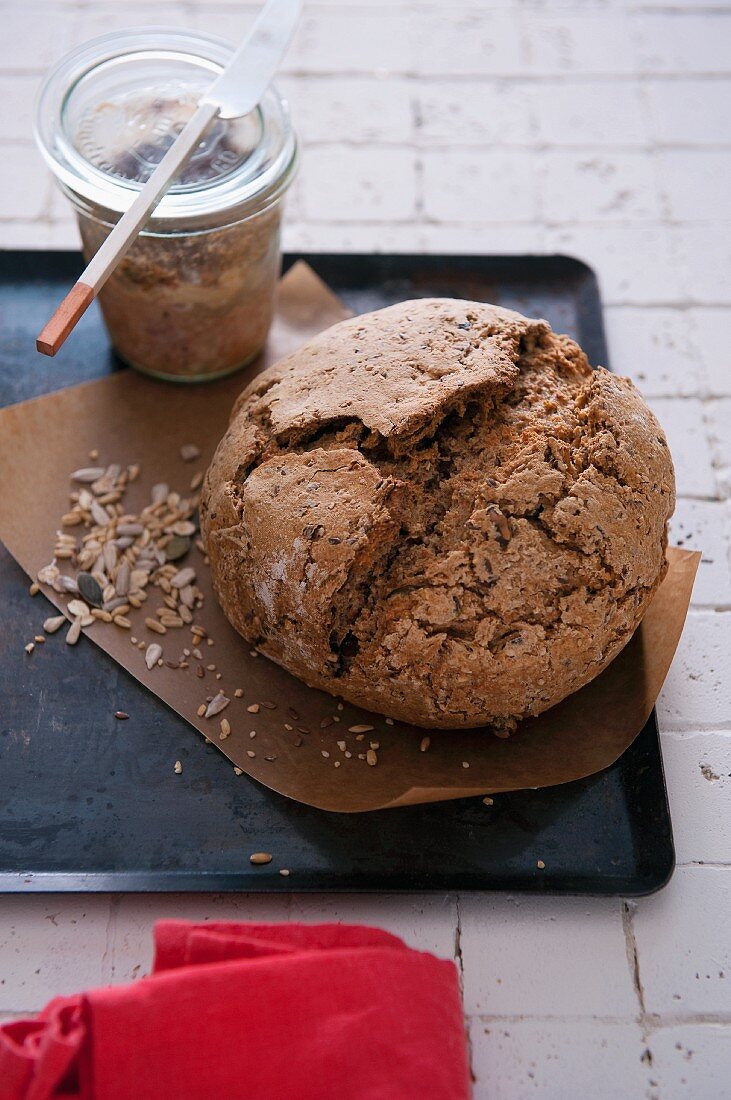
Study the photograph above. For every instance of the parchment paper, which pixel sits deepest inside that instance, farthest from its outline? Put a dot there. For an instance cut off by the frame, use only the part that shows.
(129, 418)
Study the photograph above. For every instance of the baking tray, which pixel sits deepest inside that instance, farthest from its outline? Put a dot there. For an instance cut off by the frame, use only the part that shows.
(89, 803)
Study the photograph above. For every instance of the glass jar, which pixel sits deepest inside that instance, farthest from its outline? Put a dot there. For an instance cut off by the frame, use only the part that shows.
(192, 299)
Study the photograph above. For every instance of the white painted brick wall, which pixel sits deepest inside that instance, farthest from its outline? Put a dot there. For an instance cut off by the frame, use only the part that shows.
(597, 128)
(683, 943)
(555, 943)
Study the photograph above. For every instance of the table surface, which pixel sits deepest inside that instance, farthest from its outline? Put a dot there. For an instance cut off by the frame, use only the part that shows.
(593, 127)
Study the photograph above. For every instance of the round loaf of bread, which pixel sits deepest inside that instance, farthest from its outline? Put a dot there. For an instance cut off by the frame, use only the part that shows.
(440, 512)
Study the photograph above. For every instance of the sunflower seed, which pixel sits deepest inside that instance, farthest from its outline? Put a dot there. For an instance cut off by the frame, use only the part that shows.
(177, 548)
(121, 581)
(153, 654)
(196, 481)
(159, 492)
(183, 578)
(54, 623)
(187, 595)
(90, 589)
(99, 514)
(183, 527)
(217, 704)
(115, 604)
(130, 530)
(73, 633)
(87, 474)
(109, 553)
(360, 729)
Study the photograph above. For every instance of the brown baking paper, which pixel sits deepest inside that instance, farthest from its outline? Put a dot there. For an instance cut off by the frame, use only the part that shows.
(129, 418)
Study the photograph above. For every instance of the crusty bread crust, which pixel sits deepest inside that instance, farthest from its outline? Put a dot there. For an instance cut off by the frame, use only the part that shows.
(440, 512)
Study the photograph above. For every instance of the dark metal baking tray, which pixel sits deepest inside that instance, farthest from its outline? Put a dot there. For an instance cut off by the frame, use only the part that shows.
(84, 806)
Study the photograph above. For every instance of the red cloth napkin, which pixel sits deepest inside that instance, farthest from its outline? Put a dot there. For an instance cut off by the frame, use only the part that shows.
(254, 1011)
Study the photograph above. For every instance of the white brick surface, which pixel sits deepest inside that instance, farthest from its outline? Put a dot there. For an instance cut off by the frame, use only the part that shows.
(655, 348)
(679, 42)
(557, 1060)
(357, 109)
(596, 42)
(698, 775)
(591, 187)
(492, 186)
(591, 113)
(476, 112)
(691, 1063)
(597, 128)
(49, 947)
(376, 189)
(711, 336)
(696, 184)
(571, 955)
(684, 945)
(637, 264)
(692, 112)
(704, 525)
(696, 693)
(682, 419)
(706, 257)
(719, 417)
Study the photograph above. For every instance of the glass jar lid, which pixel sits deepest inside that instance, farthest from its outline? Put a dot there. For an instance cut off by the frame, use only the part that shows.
(108, 112)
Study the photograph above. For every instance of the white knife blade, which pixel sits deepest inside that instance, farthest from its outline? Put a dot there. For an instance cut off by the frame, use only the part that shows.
(249, 72)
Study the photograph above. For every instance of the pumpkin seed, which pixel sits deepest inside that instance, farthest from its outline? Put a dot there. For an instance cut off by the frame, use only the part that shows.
(90, 589)
(177, 548)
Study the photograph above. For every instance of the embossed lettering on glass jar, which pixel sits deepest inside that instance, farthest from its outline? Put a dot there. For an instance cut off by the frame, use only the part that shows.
(193, 297)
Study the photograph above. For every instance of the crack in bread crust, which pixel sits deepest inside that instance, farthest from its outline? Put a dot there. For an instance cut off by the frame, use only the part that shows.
(440, 512)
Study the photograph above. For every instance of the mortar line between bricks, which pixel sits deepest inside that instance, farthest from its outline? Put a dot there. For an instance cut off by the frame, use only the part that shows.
(655, 1021)
(632, 954)
(474, 77)
(427, 145)
(705, 863)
